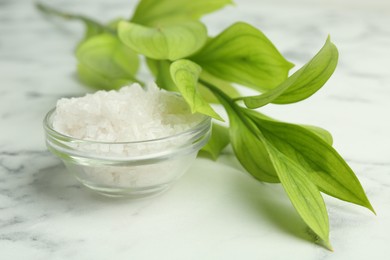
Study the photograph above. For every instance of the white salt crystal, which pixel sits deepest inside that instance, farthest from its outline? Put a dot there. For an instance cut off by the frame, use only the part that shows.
(130, 114)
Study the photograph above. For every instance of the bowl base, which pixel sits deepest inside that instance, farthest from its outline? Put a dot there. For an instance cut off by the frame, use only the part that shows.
(131, 193)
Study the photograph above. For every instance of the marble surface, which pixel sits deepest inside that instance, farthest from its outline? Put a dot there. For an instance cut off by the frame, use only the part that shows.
(216, 211)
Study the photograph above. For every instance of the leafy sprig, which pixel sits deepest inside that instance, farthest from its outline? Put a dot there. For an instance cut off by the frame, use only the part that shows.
(183, 58)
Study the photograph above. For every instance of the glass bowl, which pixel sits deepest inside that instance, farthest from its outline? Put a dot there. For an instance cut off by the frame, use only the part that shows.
(133, 169)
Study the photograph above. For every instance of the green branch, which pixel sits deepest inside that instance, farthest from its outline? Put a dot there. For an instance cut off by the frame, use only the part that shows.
(67, 16)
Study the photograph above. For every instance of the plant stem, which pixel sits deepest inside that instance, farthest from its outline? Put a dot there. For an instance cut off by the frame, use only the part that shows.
(51, 11)
(218, 92)
(228, 102)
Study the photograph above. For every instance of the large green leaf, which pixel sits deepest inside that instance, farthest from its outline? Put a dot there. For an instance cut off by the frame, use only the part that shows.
(303, 194)
(103, 56)
(99, 81)
(244, 55)
(160, 69)
(185, 74)
(303, 83)
(218, 141)
(248, 147)
(169, 42)
(265, 162)
(155, 13)
(251, 151)
(225, 86)
(320, 132)
(322, 164)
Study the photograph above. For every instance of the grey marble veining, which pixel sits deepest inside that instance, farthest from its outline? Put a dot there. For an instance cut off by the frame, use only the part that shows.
(215, 211)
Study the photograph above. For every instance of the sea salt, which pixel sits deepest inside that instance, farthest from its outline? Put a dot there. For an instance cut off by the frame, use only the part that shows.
(116, 124)
(128, 115)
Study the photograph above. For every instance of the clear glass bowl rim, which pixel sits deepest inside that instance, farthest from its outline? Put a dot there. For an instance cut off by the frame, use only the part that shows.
(190, 140)
(204, 123)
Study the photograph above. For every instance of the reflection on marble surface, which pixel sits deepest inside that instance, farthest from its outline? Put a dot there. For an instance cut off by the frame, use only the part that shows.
(216, 211)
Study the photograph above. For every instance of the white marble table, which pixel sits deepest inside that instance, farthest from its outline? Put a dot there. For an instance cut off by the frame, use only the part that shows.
(215, 211)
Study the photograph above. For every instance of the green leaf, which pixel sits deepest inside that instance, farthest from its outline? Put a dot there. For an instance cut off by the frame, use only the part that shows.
(322, 164)
(155, 13)
(185, 74)
(163, 75)
(166, 42)
(303, 194)
(91, 29)
(265, 162)
(251, 151)
(160, 69)
(247, 145)
(218, 141)
(303, 83)
(243, 54)
(226, 87)
(114, 23)
(99, 81)
(208, 95)
(104, 56)
(320, 132)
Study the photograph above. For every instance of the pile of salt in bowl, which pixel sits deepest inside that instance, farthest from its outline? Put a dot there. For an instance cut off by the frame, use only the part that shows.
(130, 114)
(115, 124)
